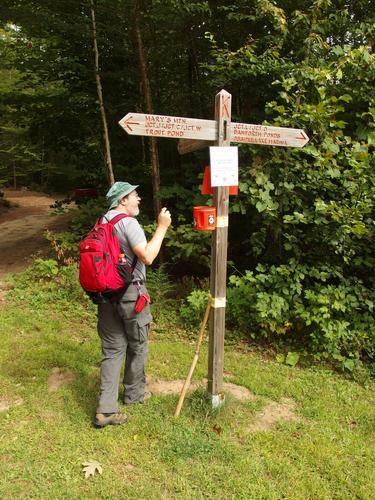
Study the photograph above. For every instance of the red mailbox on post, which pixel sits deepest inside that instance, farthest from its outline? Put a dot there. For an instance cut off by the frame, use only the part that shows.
(204, 218)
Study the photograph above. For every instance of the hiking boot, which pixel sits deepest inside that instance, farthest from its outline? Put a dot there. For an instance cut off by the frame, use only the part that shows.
(147, 395)
(104, 419)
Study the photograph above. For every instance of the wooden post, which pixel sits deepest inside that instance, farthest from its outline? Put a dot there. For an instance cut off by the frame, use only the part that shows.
(223, 104)
(195, 134)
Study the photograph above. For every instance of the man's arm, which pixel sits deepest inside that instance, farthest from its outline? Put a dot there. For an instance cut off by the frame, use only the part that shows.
(148, 251)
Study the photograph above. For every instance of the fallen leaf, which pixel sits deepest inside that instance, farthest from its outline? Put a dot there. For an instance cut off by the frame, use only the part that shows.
(216, 428)
(89, 468)
(292, 358)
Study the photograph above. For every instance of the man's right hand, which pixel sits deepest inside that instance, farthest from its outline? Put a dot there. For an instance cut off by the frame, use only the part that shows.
(164, 218)
(147, 252)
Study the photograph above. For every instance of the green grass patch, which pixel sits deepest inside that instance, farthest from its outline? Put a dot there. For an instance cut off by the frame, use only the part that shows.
(325, 452)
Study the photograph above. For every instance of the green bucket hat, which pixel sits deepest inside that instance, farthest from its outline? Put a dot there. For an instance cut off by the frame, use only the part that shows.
(117, 192)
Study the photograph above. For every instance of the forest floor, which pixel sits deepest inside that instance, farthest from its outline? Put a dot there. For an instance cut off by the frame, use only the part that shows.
(22, 227)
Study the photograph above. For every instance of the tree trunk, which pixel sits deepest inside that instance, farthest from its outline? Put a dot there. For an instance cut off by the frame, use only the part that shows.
(107, 146)
(14, 175)
(155, 168)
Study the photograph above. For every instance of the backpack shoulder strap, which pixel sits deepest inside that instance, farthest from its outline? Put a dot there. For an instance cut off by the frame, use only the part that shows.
(117, 218)
(113, 222)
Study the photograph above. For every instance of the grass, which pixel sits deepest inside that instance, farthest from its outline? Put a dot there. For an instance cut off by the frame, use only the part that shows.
(327, 454)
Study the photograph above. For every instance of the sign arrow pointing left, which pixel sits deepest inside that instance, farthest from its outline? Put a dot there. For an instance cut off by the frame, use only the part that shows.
(169, 126)
(196, 131)
(126, 122)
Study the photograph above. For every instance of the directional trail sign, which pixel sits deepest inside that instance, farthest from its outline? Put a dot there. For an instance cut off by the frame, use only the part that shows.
(194, 134)
(168, 126)
(268, 136)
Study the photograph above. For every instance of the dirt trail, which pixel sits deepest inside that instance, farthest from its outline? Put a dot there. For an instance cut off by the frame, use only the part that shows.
(22, 228)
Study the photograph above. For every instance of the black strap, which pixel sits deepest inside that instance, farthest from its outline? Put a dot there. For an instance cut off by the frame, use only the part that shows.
(134, 263)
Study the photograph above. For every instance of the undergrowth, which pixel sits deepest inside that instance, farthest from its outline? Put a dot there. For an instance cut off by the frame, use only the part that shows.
(48, 329)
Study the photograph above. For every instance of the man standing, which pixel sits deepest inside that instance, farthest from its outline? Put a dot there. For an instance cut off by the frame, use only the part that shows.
(124, 332)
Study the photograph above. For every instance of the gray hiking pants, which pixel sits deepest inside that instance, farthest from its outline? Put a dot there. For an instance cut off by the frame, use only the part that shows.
(123, 334)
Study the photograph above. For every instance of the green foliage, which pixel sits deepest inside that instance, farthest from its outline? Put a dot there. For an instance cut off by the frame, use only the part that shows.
(317, 310)
(160, 285)
(65, 243)
(185, 245)
(291, 359)
(306, 211)
(39, 137)
(309, 234)
(194, 306)
(322, 195)
(52, 283)
(163, 299)
(332, 315)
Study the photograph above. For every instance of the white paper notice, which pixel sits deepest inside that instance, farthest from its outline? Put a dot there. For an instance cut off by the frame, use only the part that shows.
(224, 166)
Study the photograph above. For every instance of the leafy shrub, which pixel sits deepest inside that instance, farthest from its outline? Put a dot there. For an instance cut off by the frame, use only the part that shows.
(192, 310)
(317, 310)
(162, 291)
(160, 285)
(184, 246)
(65, 244)
(46, 282)
(331, 314)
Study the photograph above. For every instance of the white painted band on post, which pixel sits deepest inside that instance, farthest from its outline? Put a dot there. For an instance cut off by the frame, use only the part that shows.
(218, 302)
(217, 400)
(222, 221)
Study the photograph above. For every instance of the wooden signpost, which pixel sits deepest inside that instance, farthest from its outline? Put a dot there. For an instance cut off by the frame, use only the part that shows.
(194, 134)
(168, 126)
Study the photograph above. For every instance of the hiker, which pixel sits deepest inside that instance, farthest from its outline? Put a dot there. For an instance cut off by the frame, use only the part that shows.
(124, 332)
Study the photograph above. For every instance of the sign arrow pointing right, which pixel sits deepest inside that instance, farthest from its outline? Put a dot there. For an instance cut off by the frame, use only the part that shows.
(267, 135)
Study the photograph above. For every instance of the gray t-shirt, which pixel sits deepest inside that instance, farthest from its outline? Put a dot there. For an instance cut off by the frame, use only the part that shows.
(130, 234)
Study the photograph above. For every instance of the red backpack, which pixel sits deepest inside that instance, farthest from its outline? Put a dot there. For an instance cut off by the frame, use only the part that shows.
(104, 271)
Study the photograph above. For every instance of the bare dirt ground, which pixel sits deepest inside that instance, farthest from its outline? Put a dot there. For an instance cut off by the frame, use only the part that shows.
(22, 227)
(21, 230)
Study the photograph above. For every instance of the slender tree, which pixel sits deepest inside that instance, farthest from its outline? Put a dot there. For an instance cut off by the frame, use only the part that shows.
(147, 94)
(107, 146)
